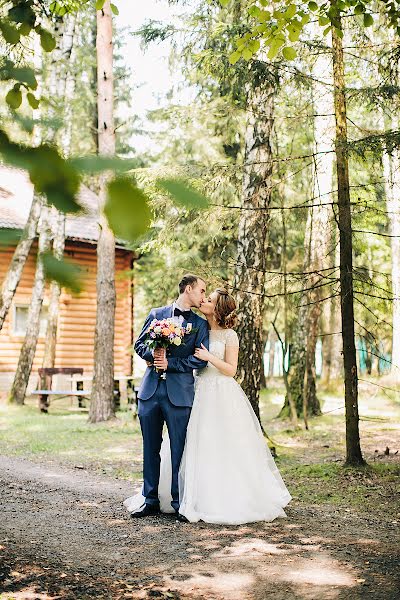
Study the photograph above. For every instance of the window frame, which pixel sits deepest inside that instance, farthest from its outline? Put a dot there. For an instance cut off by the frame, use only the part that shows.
(20, 334)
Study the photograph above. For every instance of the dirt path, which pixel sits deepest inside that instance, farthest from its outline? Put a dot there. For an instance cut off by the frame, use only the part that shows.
(65, 534)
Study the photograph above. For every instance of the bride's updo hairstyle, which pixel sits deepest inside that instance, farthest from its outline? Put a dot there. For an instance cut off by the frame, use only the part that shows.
(224, 312)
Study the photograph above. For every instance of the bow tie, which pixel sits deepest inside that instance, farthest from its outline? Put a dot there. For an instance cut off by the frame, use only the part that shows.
(184, 313)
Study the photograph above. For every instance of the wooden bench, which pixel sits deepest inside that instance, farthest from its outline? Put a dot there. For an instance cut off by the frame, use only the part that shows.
(45, 384)
(45, 378)
(131, 390)
(44, 396)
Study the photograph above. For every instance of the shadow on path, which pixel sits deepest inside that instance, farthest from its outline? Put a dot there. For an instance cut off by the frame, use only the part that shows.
(65, 534)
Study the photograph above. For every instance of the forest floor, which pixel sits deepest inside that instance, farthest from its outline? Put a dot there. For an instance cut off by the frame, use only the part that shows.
(64, 532)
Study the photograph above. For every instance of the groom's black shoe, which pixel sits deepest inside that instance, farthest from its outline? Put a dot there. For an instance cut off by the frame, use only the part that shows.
(180, 517)
(146, 511)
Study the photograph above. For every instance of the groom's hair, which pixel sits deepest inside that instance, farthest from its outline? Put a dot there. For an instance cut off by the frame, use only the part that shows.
(188, 279)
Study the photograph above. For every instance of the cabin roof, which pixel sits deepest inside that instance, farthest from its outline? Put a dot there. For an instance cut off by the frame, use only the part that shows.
(16, 194)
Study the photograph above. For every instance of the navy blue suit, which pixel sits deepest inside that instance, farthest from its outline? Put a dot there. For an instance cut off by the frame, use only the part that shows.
(168, 400)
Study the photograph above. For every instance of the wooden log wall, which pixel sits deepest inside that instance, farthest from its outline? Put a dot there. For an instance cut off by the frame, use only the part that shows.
(77, 315)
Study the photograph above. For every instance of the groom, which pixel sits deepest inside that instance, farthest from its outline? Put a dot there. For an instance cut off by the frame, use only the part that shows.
(169, 399)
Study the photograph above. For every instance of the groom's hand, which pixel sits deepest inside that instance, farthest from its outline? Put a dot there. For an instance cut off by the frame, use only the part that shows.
(161, 362)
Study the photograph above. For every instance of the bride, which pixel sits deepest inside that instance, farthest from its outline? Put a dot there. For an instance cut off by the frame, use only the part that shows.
(227, 474)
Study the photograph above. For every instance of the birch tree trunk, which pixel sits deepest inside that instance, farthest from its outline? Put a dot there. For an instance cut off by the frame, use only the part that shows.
(302, 378)
(353, 447)
(19, 258)
(102, 400)
(54, 80)
(28, 349)
(66, 82)
(391, 168)
(60, 75)
(58, 230)
(253, 237)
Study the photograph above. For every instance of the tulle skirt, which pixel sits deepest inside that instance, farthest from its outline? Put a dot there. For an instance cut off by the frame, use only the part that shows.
(227, 474)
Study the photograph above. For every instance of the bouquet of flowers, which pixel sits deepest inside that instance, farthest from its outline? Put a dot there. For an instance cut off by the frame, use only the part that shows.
(164, 333)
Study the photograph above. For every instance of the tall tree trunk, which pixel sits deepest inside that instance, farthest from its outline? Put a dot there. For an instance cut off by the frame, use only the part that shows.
(58, 230)
(53, 74)
(94, 83)
(310, 386)
(332, 346)
(19, 259)
(102, 401)
(28, 349)
(66, 82)
(298, 350)
(60, 75)
(353, 448)
(321, 215)
(302, 377)
(253, 236)
(391, 167)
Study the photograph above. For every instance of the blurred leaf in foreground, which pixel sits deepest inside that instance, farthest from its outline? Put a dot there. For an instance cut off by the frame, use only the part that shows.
(66, 273)
(127, 209)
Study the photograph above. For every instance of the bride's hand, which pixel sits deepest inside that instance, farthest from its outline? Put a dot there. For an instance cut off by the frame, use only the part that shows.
(202, 353)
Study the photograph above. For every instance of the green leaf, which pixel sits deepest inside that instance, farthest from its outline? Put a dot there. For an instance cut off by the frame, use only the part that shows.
(339, 32)
(127, 209)
(359, 9)
(49, 172)
(324, 21)
(234, 57)
(264, 16)
(182, 193)
(14, 98)
(10, 34)
(313, 6)
(47, 41)
(224, 2)
(294, 32)
(114, 9)
(241, 42)
(276, 43)
(254, 11)
(247, 54)
(290, 11)
(368, 20)
(57, 9)
(33, 101)
(25, 29)
(327, 30)
(55, 178)
(289, 53)
(25, 75)
(255, 46)
(97, 164)
(66, 273)
(100, 4)
(22, 12)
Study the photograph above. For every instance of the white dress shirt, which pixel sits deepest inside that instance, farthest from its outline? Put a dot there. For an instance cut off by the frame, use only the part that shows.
(180, 318)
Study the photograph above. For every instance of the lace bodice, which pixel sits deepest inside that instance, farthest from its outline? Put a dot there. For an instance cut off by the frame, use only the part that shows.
(219, 340)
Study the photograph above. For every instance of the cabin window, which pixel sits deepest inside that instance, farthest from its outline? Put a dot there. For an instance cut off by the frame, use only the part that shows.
(21, 319)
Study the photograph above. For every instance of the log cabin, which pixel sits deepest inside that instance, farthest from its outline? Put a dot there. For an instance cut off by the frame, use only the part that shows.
(77, 313)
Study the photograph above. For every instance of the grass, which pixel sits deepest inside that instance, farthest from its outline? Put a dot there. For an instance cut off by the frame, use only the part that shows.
(66, 437)
(311, 461)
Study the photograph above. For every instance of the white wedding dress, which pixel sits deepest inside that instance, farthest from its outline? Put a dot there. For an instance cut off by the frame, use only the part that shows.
(227, 473)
